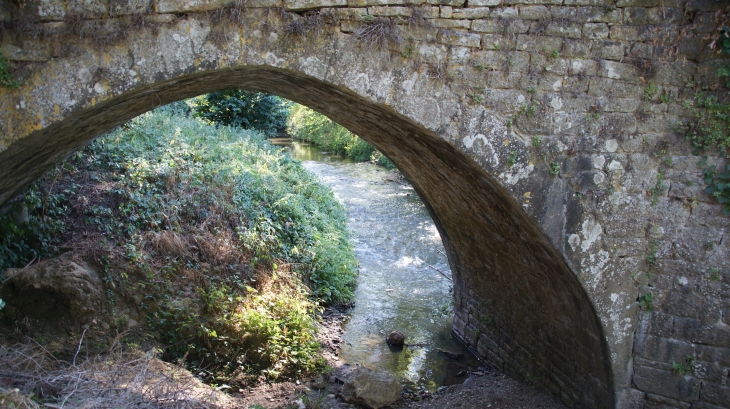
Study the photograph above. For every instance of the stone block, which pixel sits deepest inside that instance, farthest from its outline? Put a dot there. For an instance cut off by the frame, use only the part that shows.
(583, 67)
(453, 3)
(576, 49)
(618, 71)
(608, 50)
(667, 383)
(663, 350)
(615, 89)
(637, 3)
(544, 64)
(386, 11)
(450, 24)
(715, 393)
(549, 2)
(446, 12)
(665, 16)
(505, 12)
(636, 16)
(471, 13)
(368, 3)
(483, 3)
(704, 5)
(301, 5)
(661, 402)
(538, 43)
(486, 26)
(630, 399)
(704, 23)
(498, 42)
(705, 405)
(459, 38)
(127, 7)
(624, 33)
(535, 13)
(28, 50)
(567, 30)
(500, 80)
(674, 73)
(186, 6)
(588, 2)
(88, 8)
(349, 26)
(564, 13)
(50, 10)
(490, 60)
(598, 15)
(595, 31)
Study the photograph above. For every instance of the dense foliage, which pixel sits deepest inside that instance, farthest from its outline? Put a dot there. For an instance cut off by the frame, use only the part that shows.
(224, 243)
(308, 125)
(245, 109)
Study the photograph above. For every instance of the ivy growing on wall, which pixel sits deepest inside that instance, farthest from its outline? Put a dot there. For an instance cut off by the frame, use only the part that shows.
(709, 131)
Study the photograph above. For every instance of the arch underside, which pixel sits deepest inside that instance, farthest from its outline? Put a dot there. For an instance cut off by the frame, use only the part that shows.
(516, 300)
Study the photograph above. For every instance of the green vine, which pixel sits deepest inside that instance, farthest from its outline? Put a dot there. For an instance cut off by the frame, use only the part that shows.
(709, 130)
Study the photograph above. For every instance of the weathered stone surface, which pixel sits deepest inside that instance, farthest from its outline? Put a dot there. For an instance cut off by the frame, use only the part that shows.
(57, 288)
(667, 383)
(298, 5)
(371, 389)
(610, 185)
(182, 6)
(459, 38)
(126, 7)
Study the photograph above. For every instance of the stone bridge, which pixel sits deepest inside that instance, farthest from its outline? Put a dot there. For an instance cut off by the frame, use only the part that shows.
(587, 259)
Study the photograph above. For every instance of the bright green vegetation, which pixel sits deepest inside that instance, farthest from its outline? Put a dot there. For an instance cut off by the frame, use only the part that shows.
(225, 244)
(686, 367)
(245, 109)
(6, 78)
(308, 125)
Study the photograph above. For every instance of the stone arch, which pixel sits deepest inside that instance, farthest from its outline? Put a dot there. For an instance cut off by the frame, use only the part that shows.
(540, 316)
(547, 242)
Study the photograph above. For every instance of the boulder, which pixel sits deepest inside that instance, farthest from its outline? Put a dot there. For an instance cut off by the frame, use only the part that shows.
(371, 389)
(54, 289)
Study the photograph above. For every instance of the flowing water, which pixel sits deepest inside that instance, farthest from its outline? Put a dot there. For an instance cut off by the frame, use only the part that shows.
(403, 282)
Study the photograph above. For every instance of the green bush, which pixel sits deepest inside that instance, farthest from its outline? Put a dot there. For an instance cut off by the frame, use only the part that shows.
(245, 109)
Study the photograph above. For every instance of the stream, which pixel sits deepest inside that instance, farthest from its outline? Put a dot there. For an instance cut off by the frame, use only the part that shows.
(403, 279)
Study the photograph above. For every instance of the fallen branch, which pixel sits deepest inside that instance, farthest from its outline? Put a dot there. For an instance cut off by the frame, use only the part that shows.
(442, 273)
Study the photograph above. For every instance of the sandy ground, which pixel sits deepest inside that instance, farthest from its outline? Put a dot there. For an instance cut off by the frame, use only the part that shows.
(485, 387)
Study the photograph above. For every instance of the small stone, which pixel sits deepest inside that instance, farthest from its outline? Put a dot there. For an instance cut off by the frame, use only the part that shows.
(319, 383)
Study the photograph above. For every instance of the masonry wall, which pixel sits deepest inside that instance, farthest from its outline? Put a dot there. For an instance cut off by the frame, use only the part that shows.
(569, 106)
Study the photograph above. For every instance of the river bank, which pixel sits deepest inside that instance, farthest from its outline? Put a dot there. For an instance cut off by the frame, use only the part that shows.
(483, 387)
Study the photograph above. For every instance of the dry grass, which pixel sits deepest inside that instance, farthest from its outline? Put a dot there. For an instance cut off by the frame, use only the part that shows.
(124, 377)
(168, 243)
(379, 33)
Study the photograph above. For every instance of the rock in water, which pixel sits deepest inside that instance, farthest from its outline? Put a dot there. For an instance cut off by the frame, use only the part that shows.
(371, 389)
(395, 339)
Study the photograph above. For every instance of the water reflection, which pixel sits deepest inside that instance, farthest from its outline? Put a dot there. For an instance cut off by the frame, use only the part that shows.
(399, 287)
